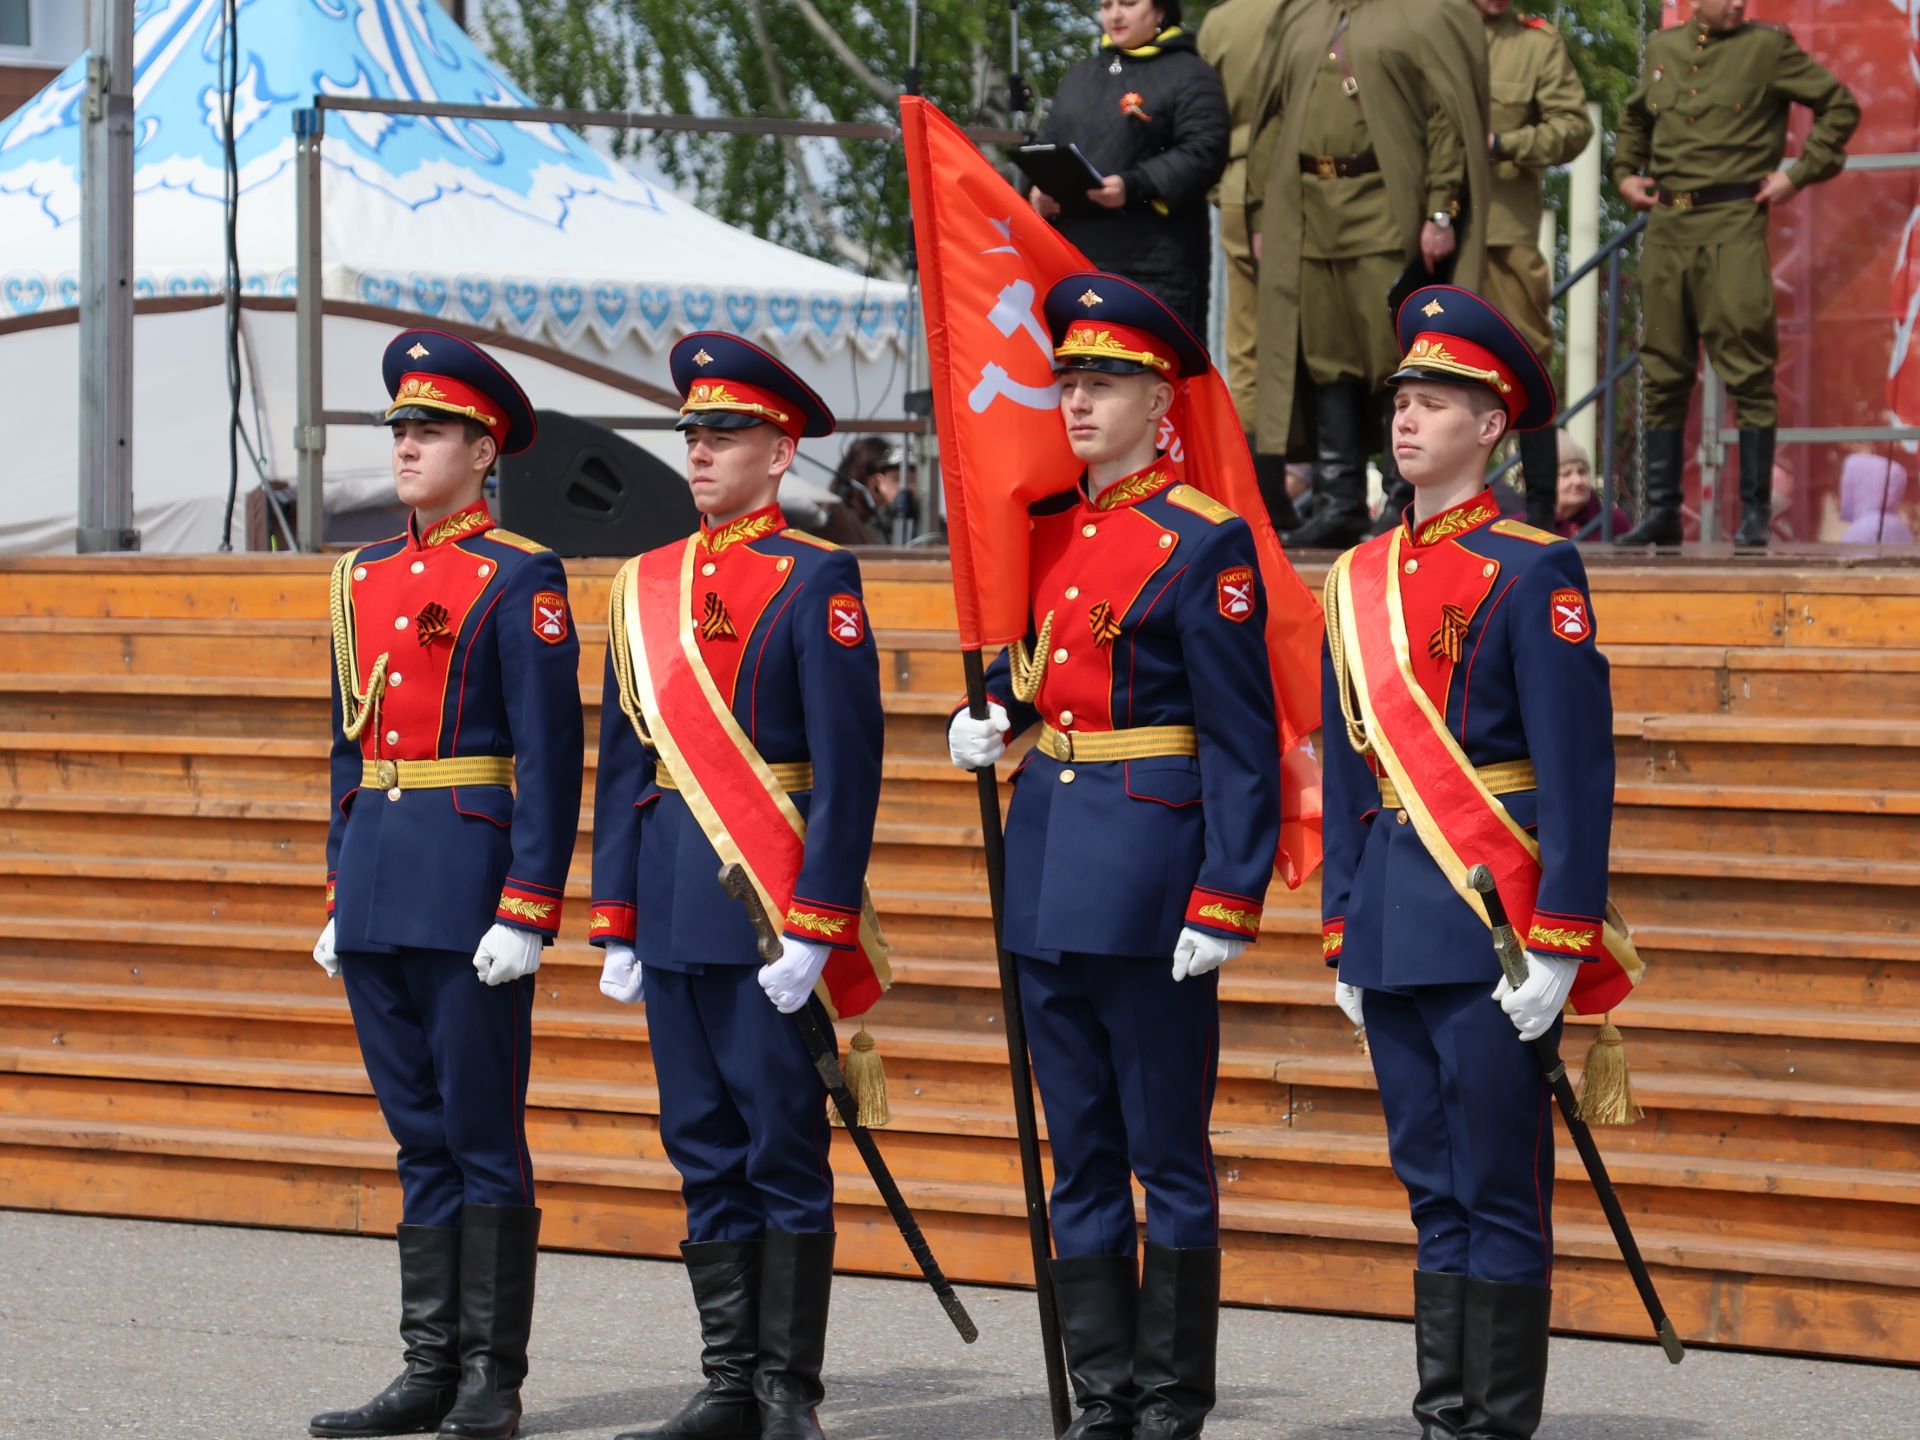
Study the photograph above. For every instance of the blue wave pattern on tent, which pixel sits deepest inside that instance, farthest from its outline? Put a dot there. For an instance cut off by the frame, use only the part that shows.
(395, 49)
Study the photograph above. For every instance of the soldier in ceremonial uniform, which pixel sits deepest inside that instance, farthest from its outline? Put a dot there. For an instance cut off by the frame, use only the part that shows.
(1468, 719)
(1539, 118)
(1359, 167)
(1699, 146)
(742, 722)
(1139, 846)
(456, 800)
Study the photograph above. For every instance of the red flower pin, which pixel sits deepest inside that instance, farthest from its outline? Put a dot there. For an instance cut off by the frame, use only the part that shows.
(1135, 104)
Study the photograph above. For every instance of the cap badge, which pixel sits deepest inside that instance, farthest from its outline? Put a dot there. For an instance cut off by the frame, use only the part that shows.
(418, 352)
(701, 357)
(1091, 298)
(1432, 308)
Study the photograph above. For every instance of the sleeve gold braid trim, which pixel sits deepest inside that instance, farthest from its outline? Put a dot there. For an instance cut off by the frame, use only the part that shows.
(1332, 943)
(537, 912)
(1247, 920)
(812, 921)
(1561, 939)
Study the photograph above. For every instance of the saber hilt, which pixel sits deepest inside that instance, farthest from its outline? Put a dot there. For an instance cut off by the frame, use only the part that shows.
(1506, 944)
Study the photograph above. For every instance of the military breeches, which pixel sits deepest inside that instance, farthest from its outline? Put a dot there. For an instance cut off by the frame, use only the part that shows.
(1518, 281)
(1126, 1058)
(1346, 332)
(1469, 1129)
(1719, 292)
(1243, 315)
(448, 1059)
(743, 1115)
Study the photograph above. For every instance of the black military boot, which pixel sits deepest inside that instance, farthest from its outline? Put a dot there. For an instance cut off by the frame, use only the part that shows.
(1339, 517)
(1756, 489)
(1099, 1296)
(1540, 468)
(1271, 473)
(1439, 1314)
(725, 1275)
(796, 1281)
(1505, 1369)
(1178, 1335)
(498, 1248)
(430, 1328)
(1660, 521)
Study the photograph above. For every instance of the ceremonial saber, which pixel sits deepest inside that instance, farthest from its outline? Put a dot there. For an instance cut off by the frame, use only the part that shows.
(826, 1061)
(1513, 961)
(1025, 1124)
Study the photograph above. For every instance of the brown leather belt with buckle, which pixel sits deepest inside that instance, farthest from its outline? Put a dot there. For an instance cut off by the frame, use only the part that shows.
(1712, 195)
(1337, 167)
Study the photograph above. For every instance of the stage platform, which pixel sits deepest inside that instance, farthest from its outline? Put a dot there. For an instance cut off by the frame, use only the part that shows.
(173, 1053)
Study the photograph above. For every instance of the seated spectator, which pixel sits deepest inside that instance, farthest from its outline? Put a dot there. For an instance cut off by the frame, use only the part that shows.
(1576, 513)
(865, 485)
(1150, 115)
(1871, 489)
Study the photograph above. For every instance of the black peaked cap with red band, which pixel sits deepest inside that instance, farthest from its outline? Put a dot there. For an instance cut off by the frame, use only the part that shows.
(431, 375)
(727, 383)
(1109, 323)
(1455, 336)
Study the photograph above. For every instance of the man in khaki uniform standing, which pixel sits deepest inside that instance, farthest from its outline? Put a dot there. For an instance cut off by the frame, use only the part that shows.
(1700, 145)
(1232, 40)
(1539, 118)
(1359, 165)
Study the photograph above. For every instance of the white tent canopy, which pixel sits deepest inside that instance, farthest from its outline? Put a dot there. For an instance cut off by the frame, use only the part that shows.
(508, 226)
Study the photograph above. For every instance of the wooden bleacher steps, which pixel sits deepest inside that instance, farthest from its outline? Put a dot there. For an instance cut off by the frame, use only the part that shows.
(173, 1052)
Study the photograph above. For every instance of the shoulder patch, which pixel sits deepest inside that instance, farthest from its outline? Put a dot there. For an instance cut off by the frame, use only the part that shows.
(1200, 503)
(517, 541)
(1520, 530)
(805, 539)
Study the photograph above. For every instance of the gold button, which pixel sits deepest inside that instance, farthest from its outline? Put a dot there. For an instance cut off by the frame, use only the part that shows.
(1736, 107)
(1412, 565)
(485, 570)
(1489, 570)
(1089, 530)
(1166, 542)
(785, 563)
(1073, 592)
(1060, 656)
(1693, 92)
(708, 568)
(1066, 777)
(359, 572)
(418, 566)
(395, 678)
(1066, 717)
(399, 622)
(393, 737)
(1403, 817)
(394, 794)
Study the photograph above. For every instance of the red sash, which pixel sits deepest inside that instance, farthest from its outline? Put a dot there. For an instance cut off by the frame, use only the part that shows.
(1458, 819)
(743, 811)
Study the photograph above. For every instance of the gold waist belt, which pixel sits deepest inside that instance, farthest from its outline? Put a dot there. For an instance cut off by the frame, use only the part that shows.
(789, 775)
(436, 774)
(1508, 777)
(1142, 742)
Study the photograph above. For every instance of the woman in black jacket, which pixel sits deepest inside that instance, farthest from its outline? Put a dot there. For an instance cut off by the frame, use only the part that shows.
(1150, 115)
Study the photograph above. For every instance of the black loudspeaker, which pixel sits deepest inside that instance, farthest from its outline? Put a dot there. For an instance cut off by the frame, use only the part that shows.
(582, 490)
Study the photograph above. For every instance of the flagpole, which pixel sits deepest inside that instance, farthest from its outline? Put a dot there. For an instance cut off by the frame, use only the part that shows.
(1025, 1124)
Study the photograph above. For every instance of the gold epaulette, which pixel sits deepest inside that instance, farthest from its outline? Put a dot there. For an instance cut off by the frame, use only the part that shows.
(1520, 530)
(516, 540)
(1201, 504)
(805, 539)
(619, 653)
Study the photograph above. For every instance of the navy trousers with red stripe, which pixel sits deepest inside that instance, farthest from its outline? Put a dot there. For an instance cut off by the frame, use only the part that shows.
(448, 1059)
(1126, 1059)
(1469, 1128)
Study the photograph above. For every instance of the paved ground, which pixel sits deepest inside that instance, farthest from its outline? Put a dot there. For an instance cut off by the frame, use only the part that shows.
(184, 1332)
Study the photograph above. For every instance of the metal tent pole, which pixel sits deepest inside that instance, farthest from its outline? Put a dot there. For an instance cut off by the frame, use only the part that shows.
(105, 512)
(310, 426)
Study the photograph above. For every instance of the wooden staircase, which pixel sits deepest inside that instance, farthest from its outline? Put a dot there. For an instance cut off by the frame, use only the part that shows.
(173, 1052)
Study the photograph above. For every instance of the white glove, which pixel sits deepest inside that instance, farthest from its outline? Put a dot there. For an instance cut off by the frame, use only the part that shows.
(1537, 1004)
(1197, 951)
(323, 955)
(789, 980)
(977, 744)
(506, 953)
(620, 976)
(1350, 999)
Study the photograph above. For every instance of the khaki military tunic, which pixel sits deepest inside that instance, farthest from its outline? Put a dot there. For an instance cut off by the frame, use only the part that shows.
(1539, 119)
(1711, 111)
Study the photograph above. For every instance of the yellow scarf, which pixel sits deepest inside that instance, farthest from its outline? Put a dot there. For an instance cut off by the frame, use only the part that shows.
(1144, 52)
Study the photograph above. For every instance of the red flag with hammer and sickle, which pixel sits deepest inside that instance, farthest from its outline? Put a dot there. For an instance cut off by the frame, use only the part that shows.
(987, 261)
